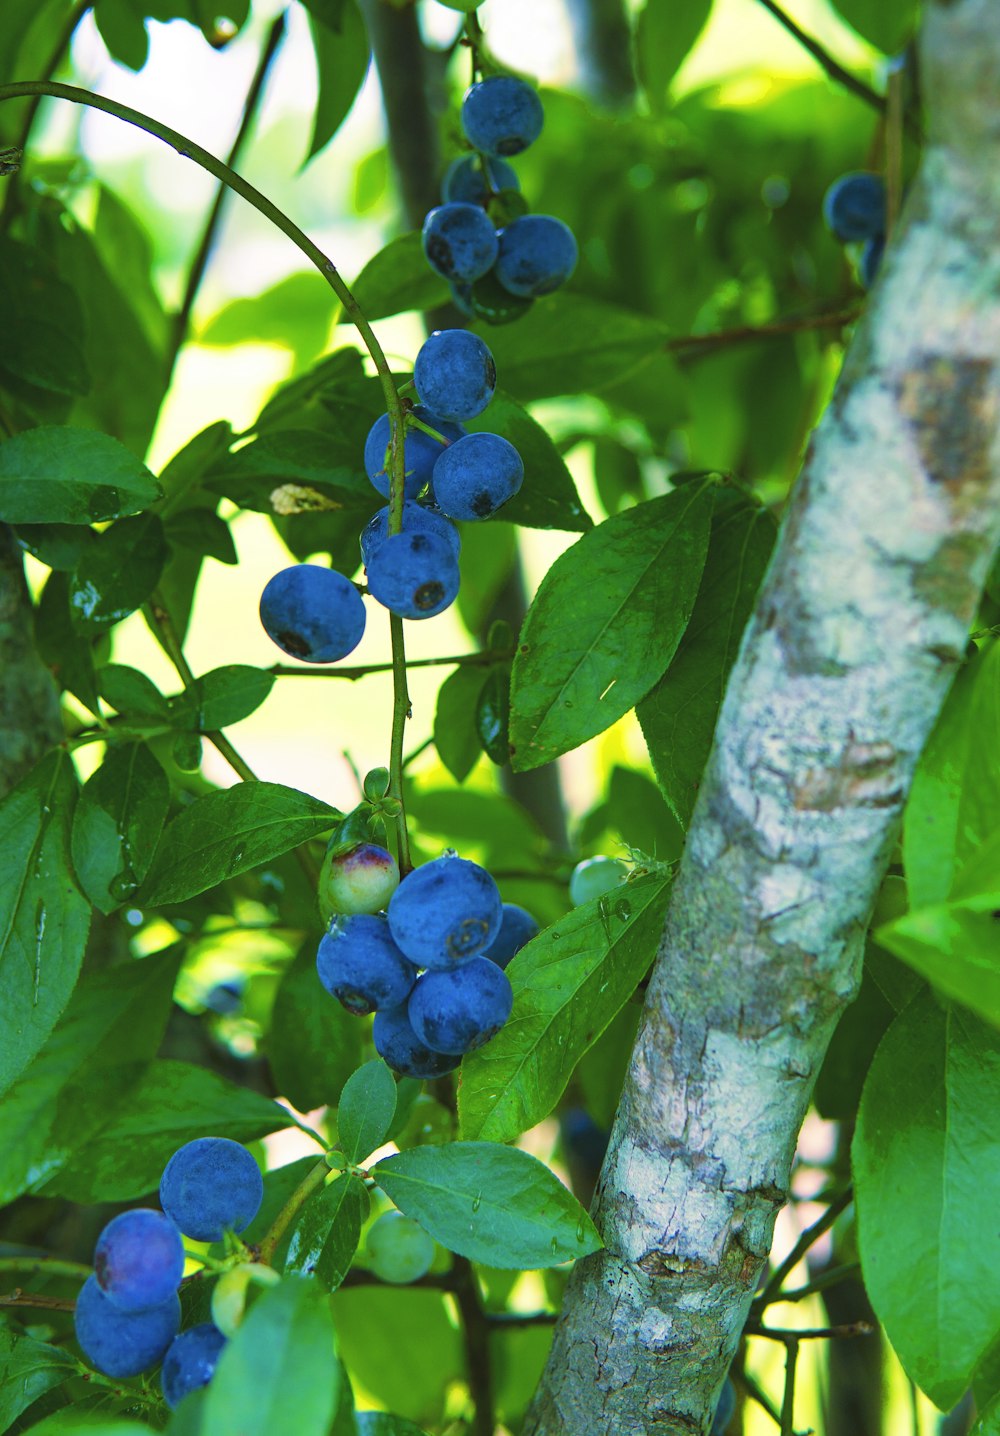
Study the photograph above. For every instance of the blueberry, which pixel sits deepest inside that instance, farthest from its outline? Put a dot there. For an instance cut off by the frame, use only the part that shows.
(360, 881)
(454, 374)
(584, 1140)
(211, 1186)
(312, 613)
(398, 1045)
(724, 1410)
(490, 301)
(360, 965)
(461, 1009)
(123, 1343)
(459, 241)
(476, 476)
(854, 206)
(190, 1361)
(417, 518)
(461, 297)
(445, 912)
(537, 254)
(473, 179)
(400, 1250)
(501, 115)
(594, 877)
(139, 1259)
(419, 451)
(414, 575)
(871, 258)
(516, 928)
(225, 998)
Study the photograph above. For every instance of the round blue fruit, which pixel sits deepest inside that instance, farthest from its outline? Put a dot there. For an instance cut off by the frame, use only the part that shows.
(473, 179)
(501, 115)
(139, 1259)
(190, 1361)
(517, 927)
(312, 613)
(476, 476)
(398, 1045)
(459, 240)
(420, 451)
(360, 965)
(123, 1343)
(418, 519)
(537, 253)
(461, 1009)
(445, 912)
(854, 206)
(414, 574)
(454, 374)
(724, 1410)
(211, 1186)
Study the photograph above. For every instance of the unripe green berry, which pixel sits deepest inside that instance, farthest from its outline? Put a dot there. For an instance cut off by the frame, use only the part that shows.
(400, 1250)
(232, 1295)
(594, 877)
(361, 881)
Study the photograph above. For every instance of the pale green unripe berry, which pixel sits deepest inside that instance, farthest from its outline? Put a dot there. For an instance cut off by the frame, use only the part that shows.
(594, 877)
(232, 1295)
(361, 881)
(400, 1250)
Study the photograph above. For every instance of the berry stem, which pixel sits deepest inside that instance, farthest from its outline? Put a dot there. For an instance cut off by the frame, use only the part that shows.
(484, 659)
(314, 1178)
(45, 1266)
(400, 713)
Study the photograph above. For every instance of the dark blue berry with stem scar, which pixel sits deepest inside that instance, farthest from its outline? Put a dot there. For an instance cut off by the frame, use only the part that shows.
(445, 912)
(459, 241)
(190, 1361)
(313, 613)
(854, 206)
(455, 374)
(360, 965)
(517, 927)
(420, 451)
(139, 1259)
(123, 1343)
(417, 519)
(211, 1186)
(501, 115)
(461, 1009)
(414, 574)
(398, 1045)
(724, 1410)
(476, 476)
(474, 178)
(537, 254)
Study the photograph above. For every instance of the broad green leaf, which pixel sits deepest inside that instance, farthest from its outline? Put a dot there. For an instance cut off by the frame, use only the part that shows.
(925, 1163)
(294, 456)
(279, 1184)
(327, 1233)
(548, 498)
(381, 1423)
(568, 984)
(313, 1044)
(60, 646)
(28, 1369)
(678, 715)
(365, 1110)
(887, 24)
(126, 249)
(493, 715)
(851, 1050)
(117, 824)
(41, 323)
(988, 1423)
(85, 1072)
(666, 31)
(57, 474)
(455, 736)
(88, 1423)
(60, 546)
(636, 816)
(43, 917)
(296, 312)
(117, 573)
(398, 279)
(131, 692)
(956, 946)
(122, 28)
(191, 463)
(204, 532)
(171, 1103)
(221, 697)
(279, 1372)
(340, 43)
(488, 558)
(605, 623)
(228, 832)
(375, 1329)
(492, 1204)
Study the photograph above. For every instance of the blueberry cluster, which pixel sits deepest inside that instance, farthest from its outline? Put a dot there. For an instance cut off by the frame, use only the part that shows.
(431, 967)
(128, 1313)
(496, 269)
(854, 210)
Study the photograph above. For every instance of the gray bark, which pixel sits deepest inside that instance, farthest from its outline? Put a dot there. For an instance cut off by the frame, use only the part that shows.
(858, 630)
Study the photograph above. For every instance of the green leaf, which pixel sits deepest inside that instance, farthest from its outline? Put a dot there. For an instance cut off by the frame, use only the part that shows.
(170, 1104)
(123, 30)
(924, 1164)
(678, 716)
(487, 560)
(41, 322)
(849, 1056)
(327, 1233)
(568, 983)
(190, 464)
(887, 24)
(228, 832)
(455, 736)
(279, 1372)
(126, 249)
(605, 622)
(203, 532)
(294, 456)
(60, 647)
(492, 1204)
(398, 279)
(493, 715)
(415, 1376)
(117, 573)
(340, 43)
(666, 31)
(60, 546)
(313, 1044)
(956, 946)
(117, 824)
(221, 697)
(381, 1423)
(296, 312)
(28, 1369)
(57, 474)
(548, 498)
(365, 1110)
(43, 918)
(87, 1423)
(131, 692)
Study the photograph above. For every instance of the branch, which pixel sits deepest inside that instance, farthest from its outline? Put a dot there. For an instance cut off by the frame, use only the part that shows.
(485, 658)
(748, 333)
(826, 61)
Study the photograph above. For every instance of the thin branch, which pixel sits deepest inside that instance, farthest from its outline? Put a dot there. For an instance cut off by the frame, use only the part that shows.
(500, 1320)
(314, 1178)
(45, 1266)
(434, 1280)
(483, 659)
(477, 1346)
(831, 1277)
(798, 1251)
(17, 1297)
(747, 333)
(825, 60)
(788, 1402)
(811, 1333)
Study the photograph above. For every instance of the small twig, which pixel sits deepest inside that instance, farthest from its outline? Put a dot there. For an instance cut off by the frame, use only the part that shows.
(477, 1346)
(434, 1280)
(826, 61)
(420, 748)
(501, 1319)
(805, 1241)
(788, 1401)
(17, 1297)
(484, 659)
(811, 1333)
(831, 1277)
(45, 1266)
(747, 333)
(314, 1178)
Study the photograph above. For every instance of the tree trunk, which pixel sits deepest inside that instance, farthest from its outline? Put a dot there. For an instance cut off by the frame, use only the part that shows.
(859, 628)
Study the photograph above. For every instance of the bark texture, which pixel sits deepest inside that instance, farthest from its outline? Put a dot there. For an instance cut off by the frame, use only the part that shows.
(858, 630)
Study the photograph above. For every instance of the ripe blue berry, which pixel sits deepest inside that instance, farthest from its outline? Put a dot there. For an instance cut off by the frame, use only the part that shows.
(854, 206)
(501, 115)
(398, 1045)
(123, 1343)
(139, 1259)
(455, 374)
(400, 1250)
(360, 965)
(476, 476)
(445, 912)
(517, 927)
(190, 1361)
(211, 1186)
(537, 253)
(420, 451)
(459, 241)
(461, 1009)
(473, 180)
(417, 518)
(414, 574)
(312, 613)
(724, 1410)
